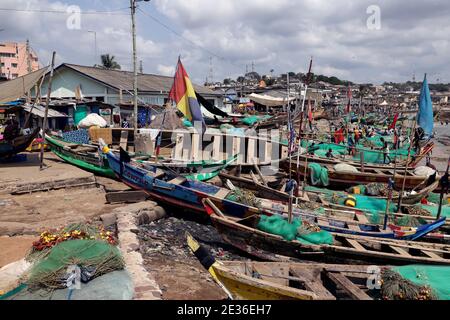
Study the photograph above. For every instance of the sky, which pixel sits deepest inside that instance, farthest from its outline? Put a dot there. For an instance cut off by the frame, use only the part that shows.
(364, 41)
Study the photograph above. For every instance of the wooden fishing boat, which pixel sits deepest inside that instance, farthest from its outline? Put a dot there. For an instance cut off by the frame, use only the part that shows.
(267, 192)
(166, 186)
(17, 145)
(199, 171)
(86, 157)
(401, 164)
(252, 280)
(340, 179)
(350, 224)
(331, 210)
(244, 235)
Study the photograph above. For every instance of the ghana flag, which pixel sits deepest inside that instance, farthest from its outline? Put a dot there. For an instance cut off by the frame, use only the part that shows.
(183, 94)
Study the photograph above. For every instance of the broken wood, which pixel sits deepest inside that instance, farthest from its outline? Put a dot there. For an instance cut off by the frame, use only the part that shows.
(126, 197)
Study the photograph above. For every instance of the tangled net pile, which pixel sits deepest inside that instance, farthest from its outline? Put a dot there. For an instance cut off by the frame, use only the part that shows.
(395, 287)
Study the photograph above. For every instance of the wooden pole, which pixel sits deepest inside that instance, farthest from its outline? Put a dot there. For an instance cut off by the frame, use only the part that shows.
(444, 189)
(49, 93)
(400, 197)
(391, 188)
(135, 72)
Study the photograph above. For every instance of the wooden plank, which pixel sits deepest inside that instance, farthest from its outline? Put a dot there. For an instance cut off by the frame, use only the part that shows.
(196, 147)
(362, 218)
(259, 173)
(349, 287)
(178, 150)
(432, 255)
(400, 251)
(251, 151)
(353, 227)
(267, 151)
(237, 150)
(312, 282)
(187, 145)
(355, 244)
(267, 273)
(126, 197)
(124, 140)
(178, 181)
(217, 146)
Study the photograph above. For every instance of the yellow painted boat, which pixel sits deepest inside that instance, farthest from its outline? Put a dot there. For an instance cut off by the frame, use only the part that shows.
(249, 280)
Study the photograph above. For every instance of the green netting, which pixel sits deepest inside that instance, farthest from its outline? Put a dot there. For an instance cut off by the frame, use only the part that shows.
(435, 277)
(251, 120)
(277, 225)
(434, 198)
(319, 175)
(369, 147)
(100, 256)
(434, 210)
(321, 237)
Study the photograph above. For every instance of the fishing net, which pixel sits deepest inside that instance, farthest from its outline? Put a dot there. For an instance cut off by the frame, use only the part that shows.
(277, 225)
(245, 197)
(422, 282)
(299, 230)
(319, 175)
(433, 210)
(93, 257)
(395, 286)
(434, 198)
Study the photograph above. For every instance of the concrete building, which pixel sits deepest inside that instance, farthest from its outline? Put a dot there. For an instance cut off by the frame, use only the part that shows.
(14, 61)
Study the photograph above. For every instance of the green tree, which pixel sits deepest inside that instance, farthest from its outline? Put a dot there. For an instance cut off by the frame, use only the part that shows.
(109, 62)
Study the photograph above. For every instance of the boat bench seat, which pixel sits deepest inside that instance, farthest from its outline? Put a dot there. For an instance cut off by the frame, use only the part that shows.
(159, 174)
(178, 181)
(222, 193)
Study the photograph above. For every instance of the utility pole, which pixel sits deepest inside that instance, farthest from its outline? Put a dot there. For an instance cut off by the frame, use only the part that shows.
(29, 70)
(135, 82)
(95, 45)
(49, 93)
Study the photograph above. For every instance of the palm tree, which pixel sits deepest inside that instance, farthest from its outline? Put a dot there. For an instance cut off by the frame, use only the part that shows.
(108, 62)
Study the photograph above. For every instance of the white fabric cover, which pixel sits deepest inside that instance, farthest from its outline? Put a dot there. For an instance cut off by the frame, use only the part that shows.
(92, 120)
(343, 167)
(424, 171)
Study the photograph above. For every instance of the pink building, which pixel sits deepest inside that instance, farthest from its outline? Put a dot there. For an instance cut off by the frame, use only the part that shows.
(13, 60)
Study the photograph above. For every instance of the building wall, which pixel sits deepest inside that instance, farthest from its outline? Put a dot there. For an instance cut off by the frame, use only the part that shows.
(13, 60)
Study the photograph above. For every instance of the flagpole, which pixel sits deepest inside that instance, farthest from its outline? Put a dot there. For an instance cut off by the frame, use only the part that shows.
(135, 74)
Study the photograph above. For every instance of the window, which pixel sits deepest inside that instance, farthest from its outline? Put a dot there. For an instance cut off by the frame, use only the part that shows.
(14, 65)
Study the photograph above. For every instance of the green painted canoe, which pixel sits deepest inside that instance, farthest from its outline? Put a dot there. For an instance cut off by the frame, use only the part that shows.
(81, 156)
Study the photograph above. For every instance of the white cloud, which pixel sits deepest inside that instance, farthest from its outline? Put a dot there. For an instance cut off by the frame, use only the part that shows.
(279, 35)
(166, 70)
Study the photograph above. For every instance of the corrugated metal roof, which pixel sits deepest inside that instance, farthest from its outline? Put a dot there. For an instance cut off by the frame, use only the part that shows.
(124, 80)
(14, 89)
(40, 112)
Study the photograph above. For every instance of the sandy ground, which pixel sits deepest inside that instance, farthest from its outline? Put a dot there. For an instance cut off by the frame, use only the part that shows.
(183, 280)
(14, 248)
(29, 171)
(32, 213)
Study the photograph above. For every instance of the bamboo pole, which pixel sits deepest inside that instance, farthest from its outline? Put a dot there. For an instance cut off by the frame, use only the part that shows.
(49, 93)
(400, 197)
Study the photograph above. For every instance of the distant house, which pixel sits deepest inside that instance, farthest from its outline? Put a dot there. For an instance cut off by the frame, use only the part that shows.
(114, 87)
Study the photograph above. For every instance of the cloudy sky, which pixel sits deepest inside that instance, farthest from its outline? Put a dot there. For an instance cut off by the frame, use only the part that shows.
(343, 36)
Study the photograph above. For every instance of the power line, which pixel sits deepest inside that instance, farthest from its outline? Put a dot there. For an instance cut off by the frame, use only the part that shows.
(188, 40)
(110, 12)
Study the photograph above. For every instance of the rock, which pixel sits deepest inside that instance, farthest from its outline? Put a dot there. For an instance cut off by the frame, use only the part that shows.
(108, 219)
